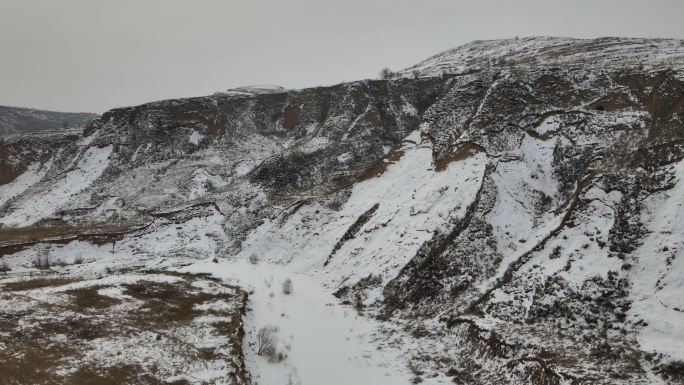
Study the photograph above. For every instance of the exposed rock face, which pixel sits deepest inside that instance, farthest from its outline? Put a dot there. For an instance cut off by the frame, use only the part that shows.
(523, 221)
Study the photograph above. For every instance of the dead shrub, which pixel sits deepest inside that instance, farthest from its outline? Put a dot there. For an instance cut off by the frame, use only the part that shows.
(268, 345)
(42, 262)
(287, 286)
(266, 341)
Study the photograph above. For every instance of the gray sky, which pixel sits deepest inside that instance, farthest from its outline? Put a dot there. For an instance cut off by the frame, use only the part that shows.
(93, 55)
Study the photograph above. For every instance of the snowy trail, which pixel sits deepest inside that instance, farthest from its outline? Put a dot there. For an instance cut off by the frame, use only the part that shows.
(329, 343)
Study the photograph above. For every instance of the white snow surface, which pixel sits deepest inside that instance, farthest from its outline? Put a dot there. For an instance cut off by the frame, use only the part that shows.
(326, 343)
(658, 277)
(33, 174)
(45, 203)
(519, 184)
(195, 137)
(413, 199)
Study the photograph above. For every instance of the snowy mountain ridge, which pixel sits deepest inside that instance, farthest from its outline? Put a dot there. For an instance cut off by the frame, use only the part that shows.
(509, 213)
(17, 120)
(549, 52)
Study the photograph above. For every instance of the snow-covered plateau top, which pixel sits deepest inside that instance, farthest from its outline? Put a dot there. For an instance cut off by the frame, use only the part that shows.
(609, 52)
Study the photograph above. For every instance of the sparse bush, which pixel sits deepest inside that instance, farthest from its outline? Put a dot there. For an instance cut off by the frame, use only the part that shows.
(253, 259)
(78, 259)
(416, 74)
(59, 262)
(268, 346)
(42, 262)
(293, 377)
(4, 267)
(42, 258)
(287, 286)
(386, 73)
(266, 340)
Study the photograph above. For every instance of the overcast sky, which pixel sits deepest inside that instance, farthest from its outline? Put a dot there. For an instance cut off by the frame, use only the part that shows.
(93, 55)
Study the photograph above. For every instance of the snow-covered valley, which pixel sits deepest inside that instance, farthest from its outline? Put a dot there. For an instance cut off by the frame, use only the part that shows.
(496, 214)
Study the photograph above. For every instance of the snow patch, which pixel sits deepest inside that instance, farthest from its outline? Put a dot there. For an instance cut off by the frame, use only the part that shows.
(195, 138)
(658, 277)
(33, 174)
(326, 343)
(90, 166)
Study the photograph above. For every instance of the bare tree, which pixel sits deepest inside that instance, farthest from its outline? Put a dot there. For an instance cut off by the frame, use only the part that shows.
(266, 339)
(267, 344)
(386, 73)
(42, 259)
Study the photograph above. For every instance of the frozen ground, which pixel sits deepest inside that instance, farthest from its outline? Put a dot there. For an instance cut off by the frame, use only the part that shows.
(119, 328)
(326, 342)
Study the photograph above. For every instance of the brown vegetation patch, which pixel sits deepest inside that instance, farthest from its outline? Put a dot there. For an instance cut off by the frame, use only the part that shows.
(51, 344)
(90, 298)
(378, 168)
(37, 283)
(8, 173)
(291, 116)
(13, 240)
(545, 136)
(115, 375)
(166, 302)
(76, 326)
(464, 152)
(32, 363)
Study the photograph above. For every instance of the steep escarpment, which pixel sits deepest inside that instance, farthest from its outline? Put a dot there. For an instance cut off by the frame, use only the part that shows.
(508, 211)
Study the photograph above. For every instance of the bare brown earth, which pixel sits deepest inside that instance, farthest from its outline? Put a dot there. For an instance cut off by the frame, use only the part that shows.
(61, 330)
(13, 240)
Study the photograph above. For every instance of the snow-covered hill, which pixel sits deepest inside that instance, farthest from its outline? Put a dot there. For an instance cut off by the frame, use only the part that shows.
(16, 120)
(511, 214)
(550, 52)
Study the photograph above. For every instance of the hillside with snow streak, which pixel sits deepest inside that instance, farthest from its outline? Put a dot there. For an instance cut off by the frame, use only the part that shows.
(504, 212)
